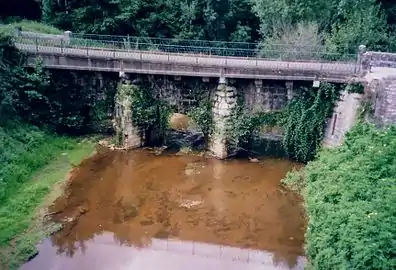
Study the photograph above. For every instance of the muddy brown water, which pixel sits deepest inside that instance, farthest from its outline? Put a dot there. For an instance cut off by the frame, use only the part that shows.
(135, 210)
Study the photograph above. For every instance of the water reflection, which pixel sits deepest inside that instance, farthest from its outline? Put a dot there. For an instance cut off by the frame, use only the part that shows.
(101, 253)
(139, 200)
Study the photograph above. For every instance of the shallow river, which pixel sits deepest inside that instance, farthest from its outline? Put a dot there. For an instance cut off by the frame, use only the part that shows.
(138, 210)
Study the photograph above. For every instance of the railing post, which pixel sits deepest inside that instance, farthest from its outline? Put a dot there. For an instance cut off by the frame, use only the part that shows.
(36, 43)
(62, 45)
(359, 63)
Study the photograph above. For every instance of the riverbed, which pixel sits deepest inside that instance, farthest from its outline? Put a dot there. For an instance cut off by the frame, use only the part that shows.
(144, 210)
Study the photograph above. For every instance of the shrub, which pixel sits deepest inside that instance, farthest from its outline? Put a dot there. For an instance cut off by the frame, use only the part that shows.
(350, 197)
(303, 41)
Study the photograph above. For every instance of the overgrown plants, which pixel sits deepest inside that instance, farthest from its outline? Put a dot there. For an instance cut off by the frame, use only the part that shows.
(350, 194)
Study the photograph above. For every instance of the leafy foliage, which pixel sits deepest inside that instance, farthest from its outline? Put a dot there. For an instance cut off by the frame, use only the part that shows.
(355, 87)
(243, 125)
(305, 120)
(208, 19)
(56, 100)
(149, 113)
(350, 195)
(345, 23)
(202, 117)
(304, 41)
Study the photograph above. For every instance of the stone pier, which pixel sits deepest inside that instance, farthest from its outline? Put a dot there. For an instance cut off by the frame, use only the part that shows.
(225, 101)
(128, 135)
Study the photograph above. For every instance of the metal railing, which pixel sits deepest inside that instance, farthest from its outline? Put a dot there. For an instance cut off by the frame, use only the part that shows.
(276, 52)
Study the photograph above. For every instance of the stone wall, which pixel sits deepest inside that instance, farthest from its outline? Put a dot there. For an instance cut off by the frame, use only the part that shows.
(378, 59)
(182, 93)
(343, 119)
(384, 100)
(86, 95)
(185, 93)
(262, 95)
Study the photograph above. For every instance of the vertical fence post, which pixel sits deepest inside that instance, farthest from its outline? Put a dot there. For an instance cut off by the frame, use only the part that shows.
(62, 45)
(359, 62)
(114, 49)
(36, 43)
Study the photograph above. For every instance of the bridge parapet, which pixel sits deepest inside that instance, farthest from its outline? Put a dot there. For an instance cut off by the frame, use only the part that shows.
(378, 59)
(150, 56)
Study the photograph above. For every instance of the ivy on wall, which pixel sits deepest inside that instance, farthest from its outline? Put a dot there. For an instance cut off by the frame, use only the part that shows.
(202, 117)
(305, 118)
(243, 125)
(149, 113)
(303, 122)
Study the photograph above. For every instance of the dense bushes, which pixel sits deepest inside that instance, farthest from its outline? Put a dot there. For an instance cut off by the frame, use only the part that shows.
(350, 196)
(344, 24)
(61, 101)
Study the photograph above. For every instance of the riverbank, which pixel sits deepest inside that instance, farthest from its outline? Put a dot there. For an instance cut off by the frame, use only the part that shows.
(34, 166)
(349, 198)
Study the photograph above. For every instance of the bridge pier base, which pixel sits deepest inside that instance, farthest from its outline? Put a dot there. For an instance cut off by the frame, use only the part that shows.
(290, 90)
(225, 101)
(128, 136)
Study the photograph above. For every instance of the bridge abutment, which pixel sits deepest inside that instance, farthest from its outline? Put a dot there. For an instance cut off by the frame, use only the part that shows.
(225, 100)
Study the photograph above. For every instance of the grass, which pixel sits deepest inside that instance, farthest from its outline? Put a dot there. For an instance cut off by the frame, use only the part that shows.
(30, 26)
(44, 161)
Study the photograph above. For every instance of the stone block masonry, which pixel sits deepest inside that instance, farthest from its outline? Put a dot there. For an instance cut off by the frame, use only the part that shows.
(385, 101)
(128, 135)
(225, 101)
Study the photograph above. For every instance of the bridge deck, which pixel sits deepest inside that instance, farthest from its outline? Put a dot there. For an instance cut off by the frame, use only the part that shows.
(157, 62)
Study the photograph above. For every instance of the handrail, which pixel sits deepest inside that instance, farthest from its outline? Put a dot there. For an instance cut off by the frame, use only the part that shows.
(77, 41)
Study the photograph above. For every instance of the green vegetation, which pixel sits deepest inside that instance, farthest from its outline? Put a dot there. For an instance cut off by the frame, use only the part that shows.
(243, 125)
(349, 191)
(202, 117)
(305, 120)
(302, 121)
(213, 20)
(29, 26)
(148, 113)
(340, 25)
(350, 195)
(55, 100)
(32, 162)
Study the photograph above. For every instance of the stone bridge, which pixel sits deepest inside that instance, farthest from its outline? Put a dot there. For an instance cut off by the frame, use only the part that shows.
(67, 52)
(227, 62)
